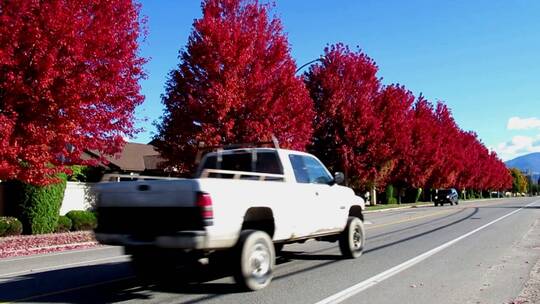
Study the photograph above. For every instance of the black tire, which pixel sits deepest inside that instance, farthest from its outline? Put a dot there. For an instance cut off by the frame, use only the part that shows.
(255, 260)
(436, 204)
(352, 239)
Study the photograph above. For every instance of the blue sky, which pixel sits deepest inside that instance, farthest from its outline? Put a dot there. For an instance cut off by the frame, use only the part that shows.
(481, 57)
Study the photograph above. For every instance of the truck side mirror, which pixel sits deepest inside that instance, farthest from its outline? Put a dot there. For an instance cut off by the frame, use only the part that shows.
(339, 178)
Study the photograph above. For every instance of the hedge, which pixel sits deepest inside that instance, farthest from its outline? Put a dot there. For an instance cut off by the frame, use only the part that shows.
(39, 206)
(10, 226)
(64, 224)
(82, 220)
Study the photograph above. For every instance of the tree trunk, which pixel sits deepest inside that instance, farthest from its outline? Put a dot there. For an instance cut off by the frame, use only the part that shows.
(373, 196)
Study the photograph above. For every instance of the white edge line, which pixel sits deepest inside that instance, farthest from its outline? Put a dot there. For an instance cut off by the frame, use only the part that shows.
(9, 275)
(353, 290)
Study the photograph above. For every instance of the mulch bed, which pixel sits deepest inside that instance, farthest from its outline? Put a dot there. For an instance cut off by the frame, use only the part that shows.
(24, 245)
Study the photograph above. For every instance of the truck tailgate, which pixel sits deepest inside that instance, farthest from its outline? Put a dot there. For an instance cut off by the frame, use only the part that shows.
(155, 193)
(148, 207)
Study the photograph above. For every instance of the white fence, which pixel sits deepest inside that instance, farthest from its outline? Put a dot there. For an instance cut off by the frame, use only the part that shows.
(78, 196)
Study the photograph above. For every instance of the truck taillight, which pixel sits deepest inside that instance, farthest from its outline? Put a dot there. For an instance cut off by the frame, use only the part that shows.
(204, 202)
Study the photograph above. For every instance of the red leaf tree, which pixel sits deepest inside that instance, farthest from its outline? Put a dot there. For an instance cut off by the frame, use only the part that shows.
(427, 151)
(235, 83)
(446, 172)
(393, 105)
(347, 128)
(69, 75)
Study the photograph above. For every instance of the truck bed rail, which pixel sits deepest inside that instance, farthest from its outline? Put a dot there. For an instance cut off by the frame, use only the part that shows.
(209, 173)
(128, 178)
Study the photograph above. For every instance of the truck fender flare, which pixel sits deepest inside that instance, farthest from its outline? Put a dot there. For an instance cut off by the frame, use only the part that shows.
(259, 218)
(356, 211)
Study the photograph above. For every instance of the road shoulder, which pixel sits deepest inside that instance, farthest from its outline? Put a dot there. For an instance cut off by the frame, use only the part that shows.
(531, 292)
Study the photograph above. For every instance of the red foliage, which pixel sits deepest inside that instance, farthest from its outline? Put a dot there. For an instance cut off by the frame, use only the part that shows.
(347, 127)
(445, 156)
(426, 150)
(69, 75)
(394, 108)
(447, 137)
(235, 83)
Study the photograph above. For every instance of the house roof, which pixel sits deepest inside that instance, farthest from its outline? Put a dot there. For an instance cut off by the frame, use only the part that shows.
(134, 157)
(152, 162)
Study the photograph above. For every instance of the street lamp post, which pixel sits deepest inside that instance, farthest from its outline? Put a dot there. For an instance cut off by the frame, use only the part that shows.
(308, 63)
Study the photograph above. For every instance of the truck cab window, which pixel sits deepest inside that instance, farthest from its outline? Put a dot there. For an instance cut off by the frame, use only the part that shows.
(309, 170)
(267, 162)
(316, 172)
(299, 169)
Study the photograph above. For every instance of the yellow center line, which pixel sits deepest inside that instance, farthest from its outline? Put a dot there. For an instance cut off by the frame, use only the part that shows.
(412, 219)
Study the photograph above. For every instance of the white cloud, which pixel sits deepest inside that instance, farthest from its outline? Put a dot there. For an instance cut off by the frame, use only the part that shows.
(518, 123)
(519, 145)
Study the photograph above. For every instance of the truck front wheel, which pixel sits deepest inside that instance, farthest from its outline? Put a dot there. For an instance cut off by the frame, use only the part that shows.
(351, 240)
(256, 259)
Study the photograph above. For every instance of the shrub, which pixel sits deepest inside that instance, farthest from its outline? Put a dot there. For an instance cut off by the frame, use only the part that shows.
(82, 220)
(412, 195)
(39, 206)
(390, 198)
(10, 226)
(418, 194)
(85, 174)
(64, 224)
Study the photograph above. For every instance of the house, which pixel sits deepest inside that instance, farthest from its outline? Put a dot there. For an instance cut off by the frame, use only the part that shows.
(135, 159)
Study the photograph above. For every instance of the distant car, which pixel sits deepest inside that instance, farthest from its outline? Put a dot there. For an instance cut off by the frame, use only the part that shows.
(444, 196)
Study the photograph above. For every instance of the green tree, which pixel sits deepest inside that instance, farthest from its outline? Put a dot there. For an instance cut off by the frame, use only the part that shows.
(519, 181)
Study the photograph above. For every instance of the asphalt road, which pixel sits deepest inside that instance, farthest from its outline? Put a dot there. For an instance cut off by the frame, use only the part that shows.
(477, 252)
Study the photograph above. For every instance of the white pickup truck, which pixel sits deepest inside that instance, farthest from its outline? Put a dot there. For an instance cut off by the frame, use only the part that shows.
(246, 202)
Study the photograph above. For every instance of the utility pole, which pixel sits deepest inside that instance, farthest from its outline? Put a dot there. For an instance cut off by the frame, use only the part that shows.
(530, 181)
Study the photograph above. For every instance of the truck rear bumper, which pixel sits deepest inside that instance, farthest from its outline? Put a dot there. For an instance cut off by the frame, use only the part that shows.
(181, 240)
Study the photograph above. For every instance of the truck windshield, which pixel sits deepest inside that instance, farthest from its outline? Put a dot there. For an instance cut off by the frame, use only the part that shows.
(267, 162)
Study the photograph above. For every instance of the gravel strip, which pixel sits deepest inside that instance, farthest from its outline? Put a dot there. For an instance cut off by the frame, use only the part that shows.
(25, 245)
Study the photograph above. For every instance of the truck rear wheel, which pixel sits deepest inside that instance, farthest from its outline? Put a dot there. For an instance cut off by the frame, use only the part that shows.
(352, 239)
(256, 259)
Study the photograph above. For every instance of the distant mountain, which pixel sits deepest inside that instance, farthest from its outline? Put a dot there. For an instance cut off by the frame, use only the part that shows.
(527, 163)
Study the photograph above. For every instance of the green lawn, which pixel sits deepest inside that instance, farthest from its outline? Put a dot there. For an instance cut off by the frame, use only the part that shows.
(381, 206)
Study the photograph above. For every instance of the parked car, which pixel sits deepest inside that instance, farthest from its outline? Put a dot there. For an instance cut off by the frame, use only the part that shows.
(245, 203)
(445, 196)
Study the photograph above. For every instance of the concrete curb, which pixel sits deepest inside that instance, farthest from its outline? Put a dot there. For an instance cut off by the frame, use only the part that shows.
(430, 204)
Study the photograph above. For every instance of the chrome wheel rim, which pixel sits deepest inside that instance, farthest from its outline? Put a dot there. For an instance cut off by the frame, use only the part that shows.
(357, 238)
(259, 261)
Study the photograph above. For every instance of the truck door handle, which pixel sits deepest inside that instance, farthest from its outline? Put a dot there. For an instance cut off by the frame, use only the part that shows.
(341, 207)
(316, 193)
